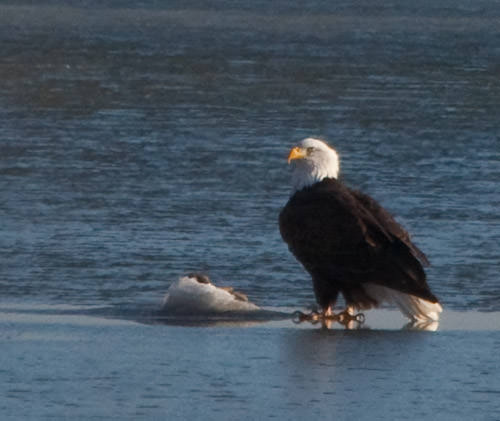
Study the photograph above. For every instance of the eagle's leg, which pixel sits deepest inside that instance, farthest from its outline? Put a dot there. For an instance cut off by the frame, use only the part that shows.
(326, 314)
(328, 311)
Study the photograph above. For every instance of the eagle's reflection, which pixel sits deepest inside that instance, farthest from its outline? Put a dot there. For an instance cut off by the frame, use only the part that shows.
(350, 320)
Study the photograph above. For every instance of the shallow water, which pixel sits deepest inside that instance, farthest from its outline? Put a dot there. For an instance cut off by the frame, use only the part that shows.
(139, 142)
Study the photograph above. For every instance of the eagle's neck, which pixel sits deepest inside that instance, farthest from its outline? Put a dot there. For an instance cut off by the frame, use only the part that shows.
(306, 174)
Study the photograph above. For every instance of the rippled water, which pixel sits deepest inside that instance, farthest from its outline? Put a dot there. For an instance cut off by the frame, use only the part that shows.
(141, 141)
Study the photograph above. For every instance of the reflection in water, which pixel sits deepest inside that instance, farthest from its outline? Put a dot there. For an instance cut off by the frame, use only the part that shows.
(428, 325)
(350, 320)
(231, 319)
(357, 322)
(351, 368)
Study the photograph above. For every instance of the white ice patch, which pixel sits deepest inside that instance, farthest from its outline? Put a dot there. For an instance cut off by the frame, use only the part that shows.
(189, 296)
(411, 306)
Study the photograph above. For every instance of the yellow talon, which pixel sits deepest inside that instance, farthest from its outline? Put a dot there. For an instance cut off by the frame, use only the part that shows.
(344, 317)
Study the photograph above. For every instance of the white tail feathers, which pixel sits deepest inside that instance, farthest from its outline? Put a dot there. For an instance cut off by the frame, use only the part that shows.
(415, 308)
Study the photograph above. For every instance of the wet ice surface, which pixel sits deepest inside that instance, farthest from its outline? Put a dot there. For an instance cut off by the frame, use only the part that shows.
(64, 361)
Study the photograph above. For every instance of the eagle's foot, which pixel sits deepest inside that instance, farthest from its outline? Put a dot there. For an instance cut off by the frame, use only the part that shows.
(313, 317)
(345, 317)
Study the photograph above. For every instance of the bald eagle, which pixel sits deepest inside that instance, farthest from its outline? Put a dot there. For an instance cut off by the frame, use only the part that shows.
(349, 243)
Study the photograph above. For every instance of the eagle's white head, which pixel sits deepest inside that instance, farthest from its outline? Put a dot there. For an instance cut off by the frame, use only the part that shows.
(314, 160)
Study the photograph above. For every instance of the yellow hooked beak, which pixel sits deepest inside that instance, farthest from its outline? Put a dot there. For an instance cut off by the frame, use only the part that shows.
(296, 153)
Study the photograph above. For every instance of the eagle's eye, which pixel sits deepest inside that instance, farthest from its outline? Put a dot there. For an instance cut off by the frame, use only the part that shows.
(310, 150)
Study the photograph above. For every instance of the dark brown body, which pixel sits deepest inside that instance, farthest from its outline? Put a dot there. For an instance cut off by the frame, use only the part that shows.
(344, 239)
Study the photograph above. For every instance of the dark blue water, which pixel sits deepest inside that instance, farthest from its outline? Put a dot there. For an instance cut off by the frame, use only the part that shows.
(143, 140)
(139, 142)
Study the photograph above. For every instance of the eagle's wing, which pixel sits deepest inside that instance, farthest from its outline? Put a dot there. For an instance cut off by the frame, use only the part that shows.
(340, 234)
(389, 225)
